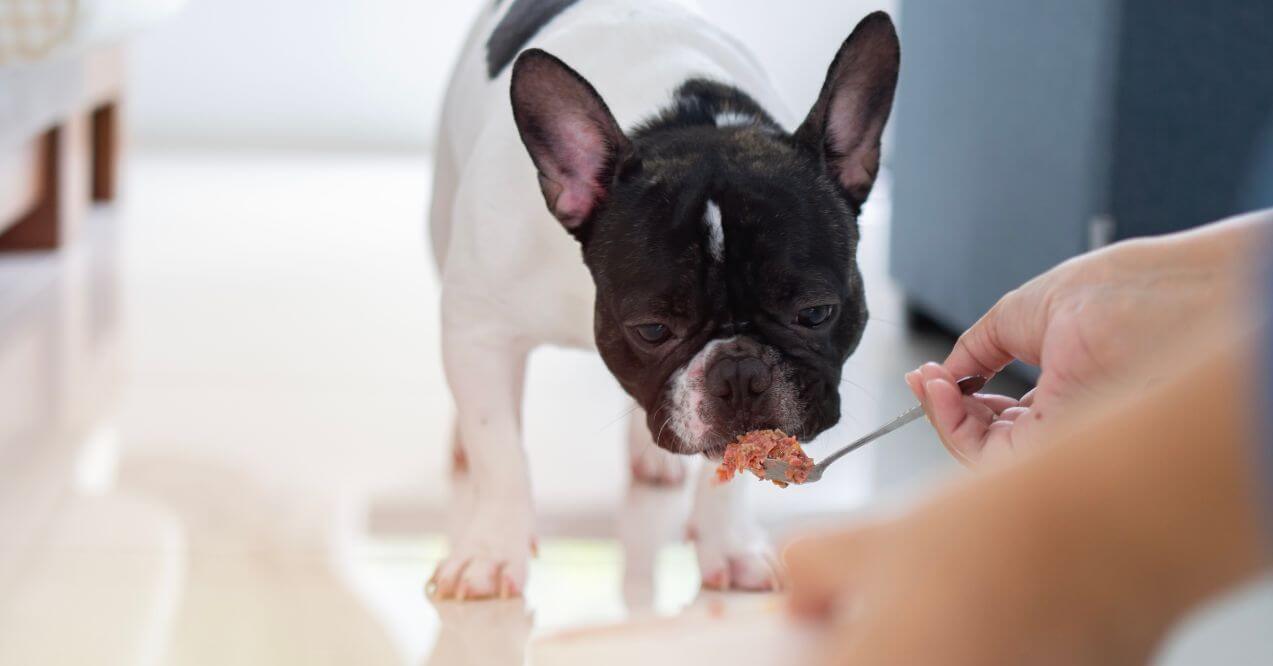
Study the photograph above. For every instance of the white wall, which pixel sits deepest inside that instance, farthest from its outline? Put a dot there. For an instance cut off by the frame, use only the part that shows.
(370, 73)
(795, 39)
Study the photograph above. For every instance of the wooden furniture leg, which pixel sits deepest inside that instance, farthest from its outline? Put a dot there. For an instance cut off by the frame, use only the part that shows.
(106, 151)
(63, 198)
(37, 229)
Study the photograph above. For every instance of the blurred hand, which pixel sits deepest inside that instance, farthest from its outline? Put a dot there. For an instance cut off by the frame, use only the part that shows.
(961, 582)
(1107, 319)
(1087, 552)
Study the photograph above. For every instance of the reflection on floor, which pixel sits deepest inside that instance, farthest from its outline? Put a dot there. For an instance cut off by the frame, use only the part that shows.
(222, 432)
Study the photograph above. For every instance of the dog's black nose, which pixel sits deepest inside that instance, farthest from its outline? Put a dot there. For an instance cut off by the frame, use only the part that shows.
(738, 379)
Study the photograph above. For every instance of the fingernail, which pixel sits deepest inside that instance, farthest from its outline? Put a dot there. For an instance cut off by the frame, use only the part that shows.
(932, 385)
(912, 381)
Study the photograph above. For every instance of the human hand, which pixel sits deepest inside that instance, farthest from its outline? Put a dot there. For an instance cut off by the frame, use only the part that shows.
(1107, 319)
(970, 578)
(1139, 510)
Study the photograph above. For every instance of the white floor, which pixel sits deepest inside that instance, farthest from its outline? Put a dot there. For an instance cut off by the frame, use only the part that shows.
(223, 427)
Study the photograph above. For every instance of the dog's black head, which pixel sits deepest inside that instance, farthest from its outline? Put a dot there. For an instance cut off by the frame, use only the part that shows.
(722, 247)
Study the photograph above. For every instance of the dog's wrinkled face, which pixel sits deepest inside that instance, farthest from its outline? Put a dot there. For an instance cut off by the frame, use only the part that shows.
(728, 296)
(723, 248)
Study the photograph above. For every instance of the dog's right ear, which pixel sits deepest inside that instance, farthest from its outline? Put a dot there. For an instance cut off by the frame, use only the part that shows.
(570, 133)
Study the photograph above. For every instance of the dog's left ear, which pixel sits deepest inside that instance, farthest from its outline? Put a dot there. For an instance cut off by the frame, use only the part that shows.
(571, 136)
(844, 127)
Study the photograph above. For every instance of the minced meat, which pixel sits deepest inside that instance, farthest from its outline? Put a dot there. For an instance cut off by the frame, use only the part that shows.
(750, 451)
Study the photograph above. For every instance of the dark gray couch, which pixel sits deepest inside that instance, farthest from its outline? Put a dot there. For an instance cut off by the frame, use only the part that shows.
(1028, 132)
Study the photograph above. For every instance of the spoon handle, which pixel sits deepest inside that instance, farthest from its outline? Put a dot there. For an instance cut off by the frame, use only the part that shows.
(967, 386)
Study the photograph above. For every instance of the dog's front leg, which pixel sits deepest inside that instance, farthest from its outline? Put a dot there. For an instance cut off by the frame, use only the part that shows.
(650, 464)
(490, 552)
(733, 551)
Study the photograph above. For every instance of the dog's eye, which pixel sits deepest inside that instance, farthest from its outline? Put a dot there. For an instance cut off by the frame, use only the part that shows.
(653, 333)
(815, 316)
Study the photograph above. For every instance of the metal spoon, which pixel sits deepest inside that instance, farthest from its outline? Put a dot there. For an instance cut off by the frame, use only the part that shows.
(777, 470)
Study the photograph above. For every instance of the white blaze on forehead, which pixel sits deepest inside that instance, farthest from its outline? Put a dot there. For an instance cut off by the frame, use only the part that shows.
(715, 232)
(734, 119)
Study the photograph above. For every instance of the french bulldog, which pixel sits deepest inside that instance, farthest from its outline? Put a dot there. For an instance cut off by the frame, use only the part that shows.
(642, 195)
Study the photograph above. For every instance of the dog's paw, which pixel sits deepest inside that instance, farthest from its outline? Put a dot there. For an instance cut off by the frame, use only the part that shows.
(753, 569)
(733, 551)
(656, 467)
(488, 560)
(736, 559)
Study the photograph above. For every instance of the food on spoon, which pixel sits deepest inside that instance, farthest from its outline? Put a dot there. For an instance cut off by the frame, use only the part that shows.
(798, 463)
(749, 452)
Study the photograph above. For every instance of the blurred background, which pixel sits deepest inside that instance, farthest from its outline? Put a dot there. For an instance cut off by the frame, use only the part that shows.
(224, 432)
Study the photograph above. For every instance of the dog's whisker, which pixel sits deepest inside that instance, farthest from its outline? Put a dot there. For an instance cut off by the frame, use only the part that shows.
(851, 417)
(627, 412)
(850, 382)
(886, 321)
(845, 379)
(654, 416)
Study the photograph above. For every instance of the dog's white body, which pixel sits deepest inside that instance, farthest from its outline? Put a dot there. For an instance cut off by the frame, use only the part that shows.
(513, 279)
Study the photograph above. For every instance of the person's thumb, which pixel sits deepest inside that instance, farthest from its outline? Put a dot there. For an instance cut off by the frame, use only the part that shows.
(1010, 330)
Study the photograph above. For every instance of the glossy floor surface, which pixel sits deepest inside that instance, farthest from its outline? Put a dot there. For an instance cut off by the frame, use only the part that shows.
(223, 427)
